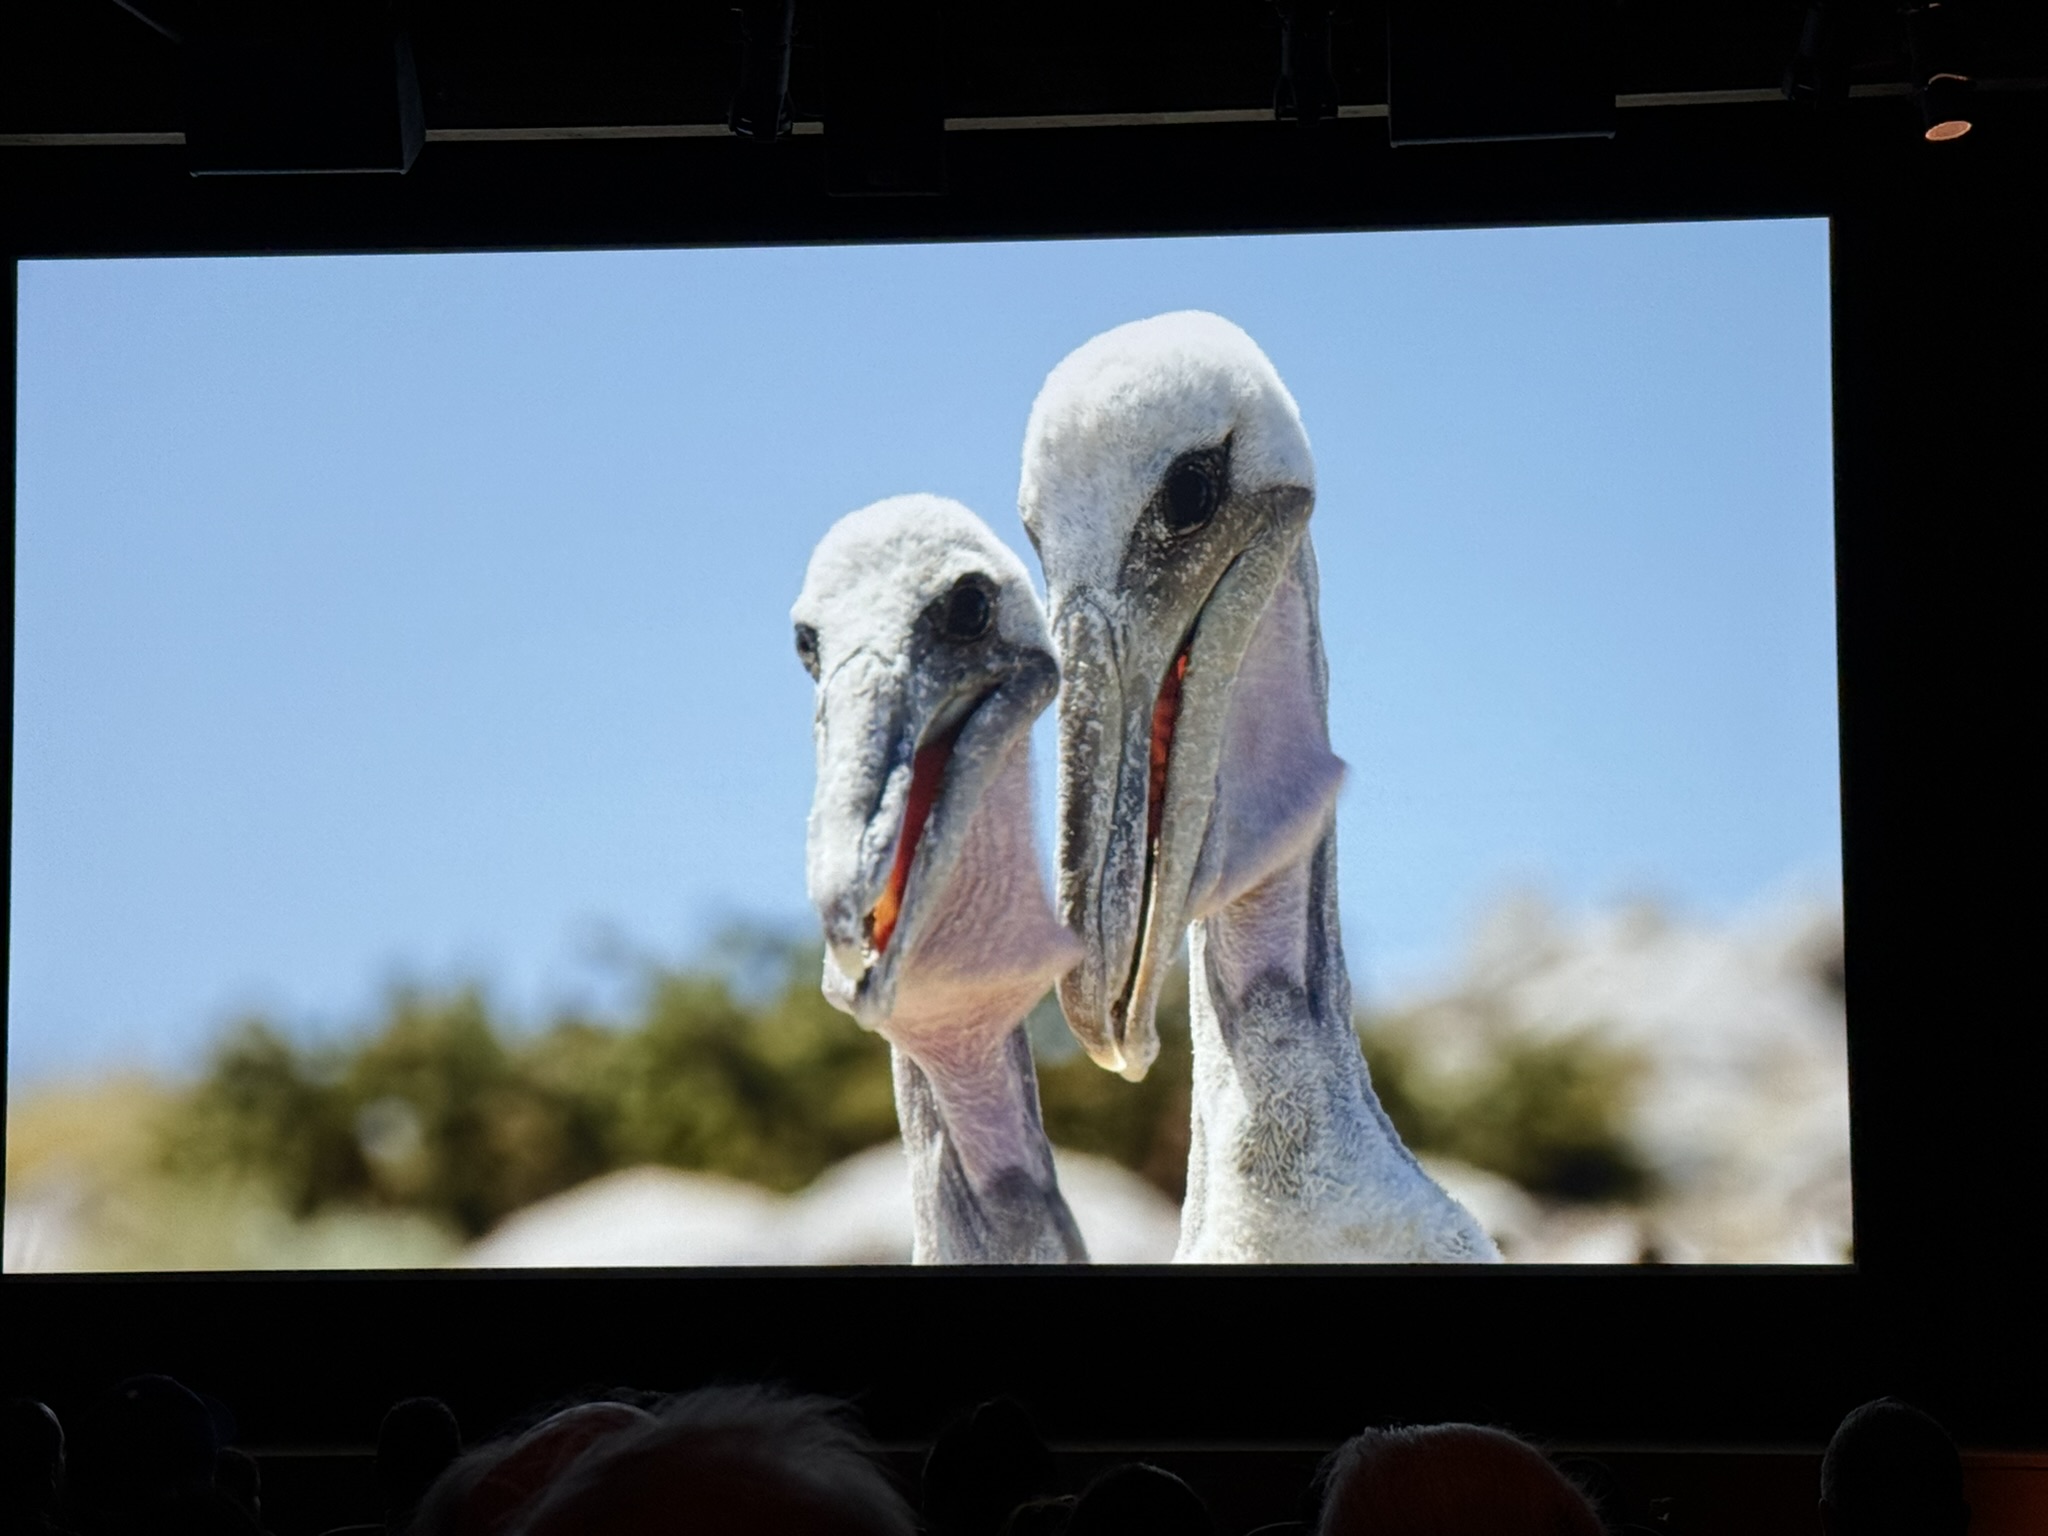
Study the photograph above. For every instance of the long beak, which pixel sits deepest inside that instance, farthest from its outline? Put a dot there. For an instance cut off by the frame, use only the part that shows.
(903, 758)
(1144, 716)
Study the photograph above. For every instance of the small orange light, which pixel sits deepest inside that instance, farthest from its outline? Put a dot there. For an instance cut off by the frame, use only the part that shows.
(1953, 128)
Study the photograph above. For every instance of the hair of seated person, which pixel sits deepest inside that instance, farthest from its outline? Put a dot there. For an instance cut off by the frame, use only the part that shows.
(31, 1459)
(1041, 1517)
(439, 1510)
(1137, 1499)
(739, 1460)
(490, 1491)
(429, 1425)
(1891, 1468)
(416, 1441)
(1449, 1480)
(983, 1465)
(536, 1414)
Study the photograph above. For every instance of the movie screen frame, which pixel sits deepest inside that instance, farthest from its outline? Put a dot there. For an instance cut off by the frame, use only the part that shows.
(1045, 1029)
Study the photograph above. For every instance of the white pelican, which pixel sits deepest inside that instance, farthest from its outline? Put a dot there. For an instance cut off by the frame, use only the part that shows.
(932, 660)
(1167, 484)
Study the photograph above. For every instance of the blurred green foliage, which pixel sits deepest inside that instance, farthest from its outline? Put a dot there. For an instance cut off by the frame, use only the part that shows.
(1549, 1111)
(439, 1109)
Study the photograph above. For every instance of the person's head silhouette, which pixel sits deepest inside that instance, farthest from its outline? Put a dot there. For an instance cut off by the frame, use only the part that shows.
(415, 1444)
(148, 1443)
(733, 1461)
(982, 1466)
(1449, 1480)
(1139, 1500)
(1892, 1471)
(31, 1463)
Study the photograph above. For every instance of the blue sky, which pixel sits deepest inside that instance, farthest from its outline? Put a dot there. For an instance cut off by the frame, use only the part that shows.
(427, 616)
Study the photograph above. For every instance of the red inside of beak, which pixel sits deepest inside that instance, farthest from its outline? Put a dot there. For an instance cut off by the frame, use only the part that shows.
(927, 773)
(1165, 714)
(1165, 711)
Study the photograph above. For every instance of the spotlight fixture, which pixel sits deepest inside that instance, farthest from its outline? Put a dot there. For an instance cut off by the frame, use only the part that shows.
(760, 107)
(1939, 84)
(1943, 108)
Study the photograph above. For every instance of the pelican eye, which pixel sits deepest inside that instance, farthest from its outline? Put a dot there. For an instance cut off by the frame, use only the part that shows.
(1193, 488)
(807, 649)
(966, 612)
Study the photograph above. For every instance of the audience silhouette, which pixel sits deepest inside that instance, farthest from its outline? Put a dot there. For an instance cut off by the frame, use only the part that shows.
(1892, 1471)
(151, 1458)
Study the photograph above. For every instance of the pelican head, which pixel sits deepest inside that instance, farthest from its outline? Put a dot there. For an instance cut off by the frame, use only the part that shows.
(931, 659)
(1167, 485)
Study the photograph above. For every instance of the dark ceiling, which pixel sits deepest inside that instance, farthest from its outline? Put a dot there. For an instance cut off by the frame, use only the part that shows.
(91, 67)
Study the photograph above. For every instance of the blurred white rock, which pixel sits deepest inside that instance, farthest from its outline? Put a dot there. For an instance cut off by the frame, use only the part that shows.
(857, 1212)
(40, 1233)
(1743, 1111)
(67, 1223)
(637, 1216)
